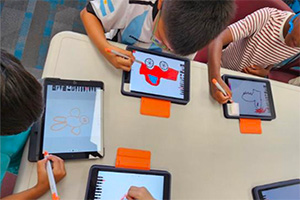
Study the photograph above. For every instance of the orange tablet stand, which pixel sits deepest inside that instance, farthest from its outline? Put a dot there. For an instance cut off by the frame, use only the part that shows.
(155, 107)
(133, 159)
(250, 126)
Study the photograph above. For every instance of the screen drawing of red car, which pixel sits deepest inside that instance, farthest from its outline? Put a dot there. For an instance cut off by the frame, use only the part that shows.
(154, 73)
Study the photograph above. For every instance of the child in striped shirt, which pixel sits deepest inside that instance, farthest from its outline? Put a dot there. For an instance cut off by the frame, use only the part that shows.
(256, 43)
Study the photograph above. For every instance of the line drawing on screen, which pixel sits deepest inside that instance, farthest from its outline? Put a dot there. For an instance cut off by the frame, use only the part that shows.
(255, 98)
(154, 73)
(73, 120)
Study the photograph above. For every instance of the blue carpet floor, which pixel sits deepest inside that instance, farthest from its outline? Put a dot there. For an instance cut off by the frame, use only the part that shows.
(27, 27)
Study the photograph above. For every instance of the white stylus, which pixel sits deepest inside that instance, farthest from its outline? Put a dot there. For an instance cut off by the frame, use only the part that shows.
(121, 55)
(220, 88)
(51, 178)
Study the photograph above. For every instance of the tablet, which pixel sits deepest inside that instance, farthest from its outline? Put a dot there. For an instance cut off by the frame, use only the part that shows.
(285, 190)
(72, 123)
(162, 76)
(253, 95)
(108, 183)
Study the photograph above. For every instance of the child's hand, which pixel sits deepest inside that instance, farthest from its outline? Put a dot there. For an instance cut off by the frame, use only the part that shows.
(217, 94)
(257, 70)
(43, 185)
(58, 168)
(118, 61)
(140, 193)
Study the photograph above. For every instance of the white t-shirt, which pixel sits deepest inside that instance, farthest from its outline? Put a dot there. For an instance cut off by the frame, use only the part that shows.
(132, 20)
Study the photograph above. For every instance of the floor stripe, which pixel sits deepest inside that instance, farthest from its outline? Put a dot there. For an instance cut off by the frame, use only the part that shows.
(81, 4)
(1, 6)
(46, 35)
(24, 29)
(33, 27)
(35, 34)
(77, 24)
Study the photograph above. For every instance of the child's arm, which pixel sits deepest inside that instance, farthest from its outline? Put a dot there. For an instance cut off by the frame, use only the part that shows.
(214, 65)
(95, 32)
(43, 185)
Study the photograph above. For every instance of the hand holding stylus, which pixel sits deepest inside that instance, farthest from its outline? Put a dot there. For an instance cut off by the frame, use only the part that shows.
(140, 193)
(56, 172)
(220, 91)
(123, 62)
(121, 55)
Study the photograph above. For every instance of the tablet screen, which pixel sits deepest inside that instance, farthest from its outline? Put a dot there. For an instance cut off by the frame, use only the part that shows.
(115, 185)
(72, 119)
(252, 97)
(157, 75)
(289, 192)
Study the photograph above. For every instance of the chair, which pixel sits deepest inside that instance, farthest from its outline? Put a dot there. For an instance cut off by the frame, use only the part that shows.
(287, 71)
(244, 8)
(8, 180)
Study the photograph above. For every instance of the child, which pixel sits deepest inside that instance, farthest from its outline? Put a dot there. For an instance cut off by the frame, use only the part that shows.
(256, 42)
(182, 27)
(21, 106)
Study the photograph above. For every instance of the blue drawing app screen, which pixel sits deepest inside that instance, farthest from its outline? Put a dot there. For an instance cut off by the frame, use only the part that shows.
(288, 193)
(72, 119)
(252, 97)
(115, 185)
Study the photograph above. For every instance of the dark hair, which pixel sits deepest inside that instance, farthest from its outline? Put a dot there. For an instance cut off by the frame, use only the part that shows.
(21, 96)
(192, 24)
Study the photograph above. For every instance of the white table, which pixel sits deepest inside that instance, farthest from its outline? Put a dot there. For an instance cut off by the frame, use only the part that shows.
(206, 154)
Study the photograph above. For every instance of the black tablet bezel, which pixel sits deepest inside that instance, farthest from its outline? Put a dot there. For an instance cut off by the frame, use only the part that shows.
(257, 191)
(225, 77)
(55, 81)
(90, 189)
(185, 100)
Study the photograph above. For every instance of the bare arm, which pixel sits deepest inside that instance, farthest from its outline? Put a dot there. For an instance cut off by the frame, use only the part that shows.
(32, 193)
(95, 32)
(43, 185)
(214, 65)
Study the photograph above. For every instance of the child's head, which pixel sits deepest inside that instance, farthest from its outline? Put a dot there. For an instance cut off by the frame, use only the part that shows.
(189, 25)
(21, 96)
(292, 38)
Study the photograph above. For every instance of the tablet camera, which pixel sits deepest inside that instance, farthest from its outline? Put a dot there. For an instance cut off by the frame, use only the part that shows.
(149, 63)
(163, 66)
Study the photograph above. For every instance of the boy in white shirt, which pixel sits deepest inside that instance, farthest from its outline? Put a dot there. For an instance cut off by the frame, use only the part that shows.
(180, 26)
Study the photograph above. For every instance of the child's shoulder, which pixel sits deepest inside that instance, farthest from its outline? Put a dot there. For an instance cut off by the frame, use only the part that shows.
(274, 12)
(122, 3)
(273, 15)
(121, 8)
